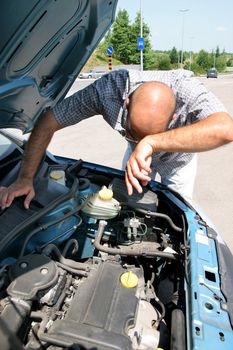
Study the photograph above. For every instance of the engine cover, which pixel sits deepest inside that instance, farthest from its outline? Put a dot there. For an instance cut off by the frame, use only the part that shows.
(101, 312)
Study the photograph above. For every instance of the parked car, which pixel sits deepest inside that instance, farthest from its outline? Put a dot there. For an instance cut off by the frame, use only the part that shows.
(86, 75)
(212, 73)
(90, 74)
(87, 266)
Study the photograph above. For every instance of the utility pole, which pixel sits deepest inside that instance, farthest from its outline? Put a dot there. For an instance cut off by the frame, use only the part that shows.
(141, 35)
(190, 58)
(182, 36)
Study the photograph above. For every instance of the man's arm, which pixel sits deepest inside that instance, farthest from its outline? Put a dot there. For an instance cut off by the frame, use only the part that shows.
(36, 146)
(212, 132)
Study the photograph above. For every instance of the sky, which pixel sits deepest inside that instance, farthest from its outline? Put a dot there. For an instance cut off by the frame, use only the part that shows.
(206, 25)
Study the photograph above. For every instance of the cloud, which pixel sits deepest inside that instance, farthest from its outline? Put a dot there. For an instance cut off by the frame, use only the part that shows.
(221, 29)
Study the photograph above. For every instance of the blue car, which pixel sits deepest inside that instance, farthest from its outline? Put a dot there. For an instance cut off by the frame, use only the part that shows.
(87, 266)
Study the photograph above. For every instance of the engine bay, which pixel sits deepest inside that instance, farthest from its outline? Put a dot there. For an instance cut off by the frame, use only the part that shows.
(89, 267)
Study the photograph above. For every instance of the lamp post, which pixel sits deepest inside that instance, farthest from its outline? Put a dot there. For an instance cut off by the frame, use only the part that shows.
(190, 58)
(182, 35)
(141, 34)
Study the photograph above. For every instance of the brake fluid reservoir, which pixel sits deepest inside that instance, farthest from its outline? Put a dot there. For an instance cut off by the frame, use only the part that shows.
(102, 205)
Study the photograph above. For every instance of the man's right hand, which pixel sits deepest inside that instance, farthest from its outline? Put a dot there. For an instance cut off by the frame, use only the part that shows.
(138, 167)
(21, 187)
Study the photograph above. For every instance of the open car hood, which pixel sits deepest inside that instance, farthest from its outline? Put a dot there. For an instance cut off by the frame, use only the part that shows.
(44, 45)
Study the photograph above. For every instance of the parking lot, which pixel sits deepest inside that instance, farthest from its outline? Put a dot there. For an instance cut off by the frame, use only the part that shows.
(214, 182)
(93, 140)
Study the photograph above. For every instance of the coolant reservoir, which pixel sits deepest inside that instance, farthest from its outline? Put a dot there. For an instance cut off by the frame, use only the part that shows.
(58, 176)
(102, 205)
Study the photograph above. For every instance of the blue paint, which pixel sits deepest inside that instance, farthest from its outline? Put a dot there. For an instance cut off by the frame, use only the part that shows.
(57, 233)
(208, 324)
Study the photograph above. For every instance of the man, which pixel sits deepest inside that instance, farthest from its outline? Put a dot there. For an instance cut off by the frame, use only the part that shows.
(167, 116)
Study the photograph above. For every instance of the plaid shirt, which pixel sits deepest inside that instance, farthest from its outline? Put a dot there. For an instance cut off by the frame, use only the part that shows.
(106, 96)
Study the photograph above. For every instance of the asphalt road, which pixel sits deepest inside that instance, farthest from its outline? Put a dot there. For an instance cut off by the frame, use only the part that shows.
(214, 181)
(93, 140)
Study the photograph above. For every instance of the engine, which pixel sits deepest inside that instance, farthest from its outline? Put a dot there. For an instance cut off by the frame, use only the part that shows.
(97, 270)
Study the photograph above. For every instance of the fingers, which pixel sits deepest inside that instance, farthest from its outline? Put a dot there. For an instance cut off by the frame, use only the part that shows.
(135, 177)
(135, 170)
(144, 163)
(3, 197)
(128, 185)
(7, 195)
(143, 156)
(8, 199)
(144, 182)
(148, 164)
(28, 199)
(131, 182)
(138, 167)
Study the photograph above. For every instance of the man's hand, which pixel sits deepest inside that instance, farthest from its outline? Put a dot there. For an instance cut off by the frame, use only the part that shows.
(18, 188)
(138, 166)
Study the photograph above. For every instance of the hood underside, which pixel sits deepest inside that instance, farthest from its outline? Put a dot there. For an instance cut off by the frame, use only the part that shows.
(44, 44)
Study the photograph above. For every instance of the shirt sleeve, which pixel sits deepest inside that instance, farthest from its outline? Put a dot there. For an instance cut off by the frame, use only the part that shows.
(83, 104)
(198, 102)
(104, 96)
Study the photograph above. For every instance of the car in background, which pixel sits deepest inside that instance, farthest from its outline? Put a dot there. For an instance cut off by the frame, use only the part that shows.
(91, 74)
(212, 73)
(86, 75)
(87, 266)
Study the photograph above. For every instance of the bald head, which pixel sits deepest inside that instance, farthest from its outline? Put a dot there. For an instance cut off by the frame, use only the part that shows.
(151, 107)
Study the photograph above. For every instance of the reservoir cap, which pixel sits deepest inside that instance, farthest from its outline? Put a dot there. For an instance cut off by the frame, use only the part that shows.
(105, 193)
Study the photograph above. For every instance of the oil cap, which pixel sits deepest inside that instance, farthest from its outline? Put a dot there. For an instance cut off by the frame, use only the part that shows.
(129, 279)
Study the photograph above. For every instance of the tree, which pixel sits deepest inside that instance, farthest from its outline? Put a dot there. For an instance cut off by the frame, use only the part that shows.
(194, 67)
(230, 62)
(148, 55)
(217, 52)
(204, 60)
(162, 61)
(221, 63)
(174, 57)
(120, 37)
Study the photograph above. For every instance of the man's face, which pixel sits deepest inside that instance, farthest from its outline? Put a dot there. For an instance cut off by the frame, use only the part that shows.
(143, 121)
(150, 109)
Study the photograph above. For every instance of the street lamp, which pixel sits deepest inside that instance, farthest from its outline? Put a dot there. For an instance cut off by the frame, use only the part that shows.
(190, 58)
(141, 34)
(182, 35)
